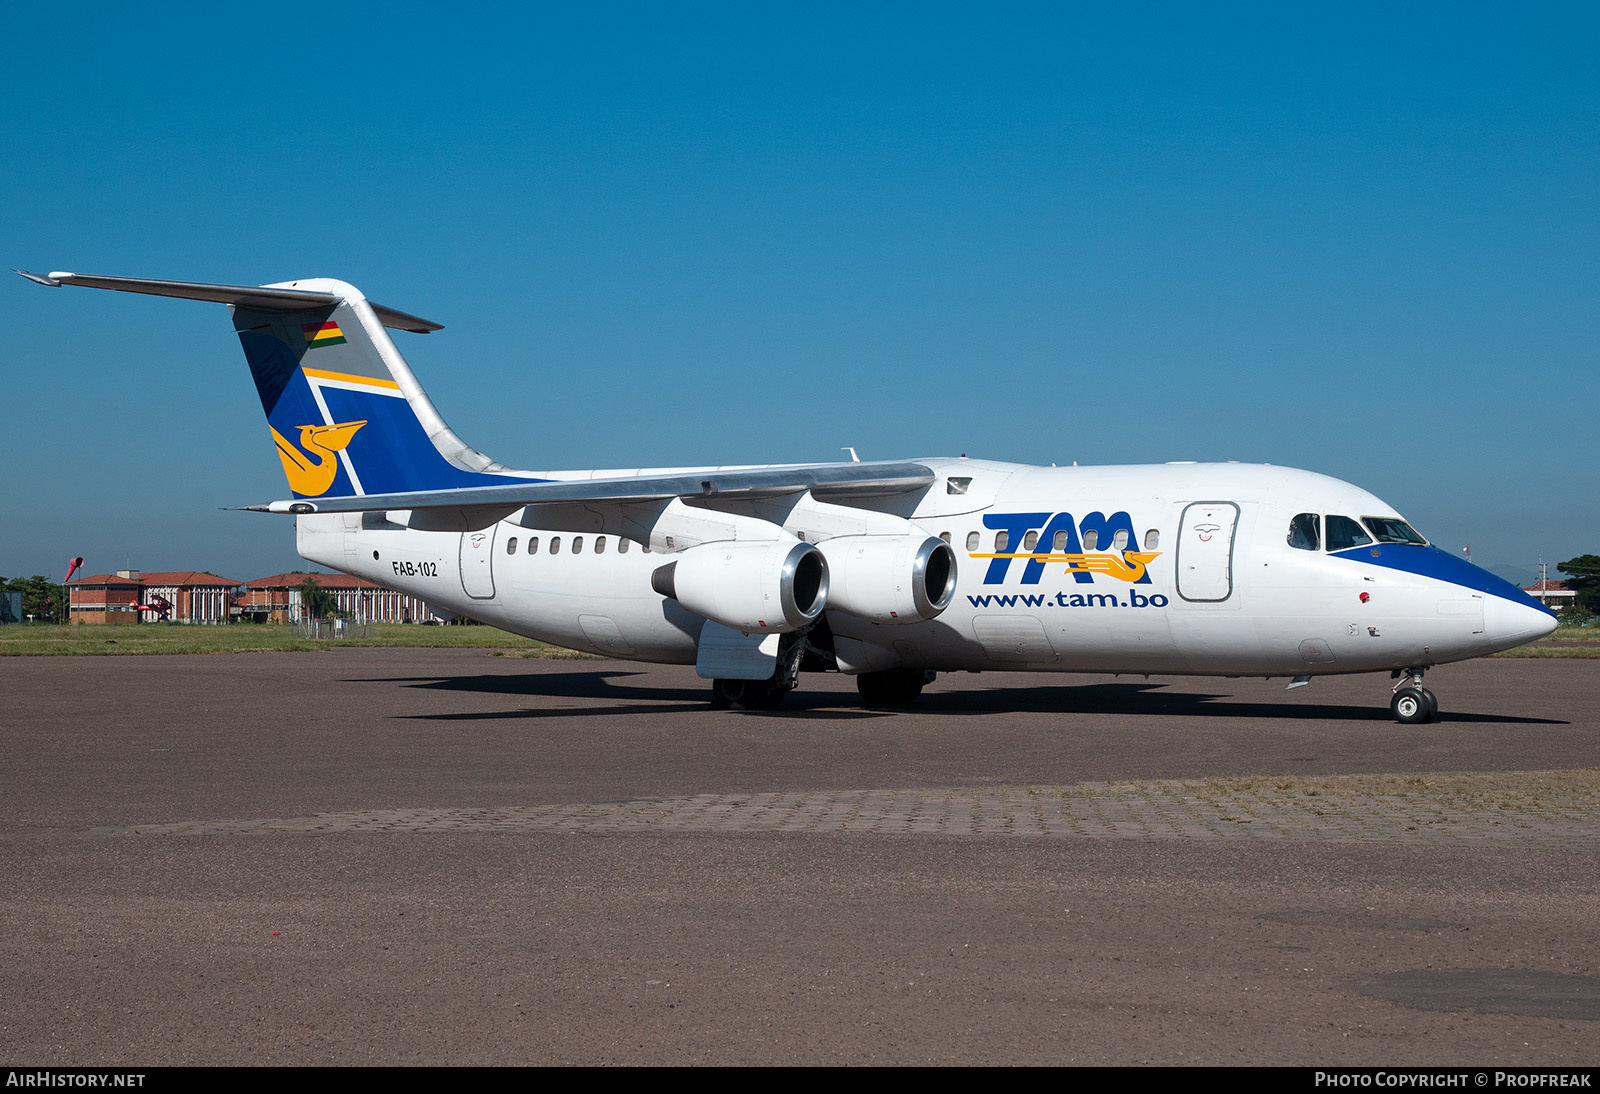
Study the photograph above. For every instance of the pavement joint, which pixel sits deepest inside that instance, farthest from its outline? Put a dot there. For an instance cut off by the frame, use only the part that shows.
(1531, 809)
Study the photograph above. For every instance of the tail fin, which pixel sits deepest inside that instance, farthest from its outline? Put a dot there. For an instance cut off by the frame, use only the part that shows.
(346, 414)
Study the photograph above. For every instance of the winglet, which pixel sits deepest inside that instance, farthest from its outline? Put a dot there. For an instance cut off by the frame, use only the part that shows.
(38, 279)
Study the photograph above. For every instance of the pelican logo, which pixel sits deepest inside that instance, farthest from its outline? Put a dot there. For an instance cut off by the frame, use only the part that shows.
(312, 466)
(1128, 566)
(1097, 545)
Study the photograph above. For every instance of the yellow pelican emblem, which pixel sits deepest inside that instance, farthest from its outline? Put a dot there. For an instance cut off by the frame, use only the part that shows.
(310, 472)
(1112, 565)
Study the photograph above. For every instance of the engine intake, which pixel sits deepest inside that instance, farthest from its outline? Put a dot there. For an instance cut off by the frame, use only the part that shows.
(767, 587)
(891, 579)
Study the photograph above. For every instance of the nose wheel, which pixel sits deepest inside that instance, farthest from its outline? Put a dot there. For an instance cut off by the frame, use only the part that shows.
(1413, 704)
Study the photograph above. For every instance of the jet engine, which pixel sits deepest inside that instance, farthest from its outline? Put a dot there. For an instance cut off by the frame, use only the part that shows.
(890, 579)
(769, 587)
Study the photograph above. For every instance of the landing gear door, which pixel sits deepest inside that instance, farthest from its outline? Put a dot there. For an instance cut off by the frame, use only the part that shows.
(477, 563)
(1205, 551)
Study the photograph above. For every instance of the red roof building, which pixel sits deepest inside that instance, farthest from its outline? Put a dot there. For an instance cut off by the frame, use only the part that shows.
(1552, 594)
(134, 596)
(105, 598)
(276, 599)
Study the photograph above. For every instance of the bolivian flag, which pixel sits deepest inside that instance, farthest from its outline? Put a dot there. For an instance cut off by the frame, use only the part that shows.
(322, 334)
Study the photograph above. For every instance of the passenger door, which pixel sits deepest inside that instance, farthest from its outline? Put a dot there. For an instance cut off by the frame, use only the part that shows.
(477, 563)
(1205, 551)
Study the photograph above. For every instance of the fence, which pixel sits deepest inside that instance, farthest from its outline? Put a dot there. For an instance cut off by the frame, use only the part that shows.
(334, 629)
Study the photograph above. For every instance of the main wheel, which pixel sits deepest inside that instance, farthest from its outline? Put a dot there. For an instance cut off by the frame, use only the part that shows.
(745, 695)
(891, 688)
(1433, 703)
(1412, 706)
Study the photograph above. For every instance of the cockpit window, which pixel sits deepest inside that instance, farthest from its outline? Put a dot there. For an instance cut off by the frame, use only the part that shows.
(1344, 533)
(1303, 534)
(1392, 530)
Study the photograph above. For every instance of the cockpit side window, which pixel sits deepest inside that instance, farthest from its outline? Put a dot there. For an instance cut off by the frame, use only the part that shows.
(1303, 533)
(1392, 530)
(1344, 533)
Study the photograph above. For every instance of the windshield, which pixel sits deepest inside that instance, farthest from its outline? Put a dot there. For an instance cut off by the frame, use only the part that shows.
(1392, 530)
(1344, 533)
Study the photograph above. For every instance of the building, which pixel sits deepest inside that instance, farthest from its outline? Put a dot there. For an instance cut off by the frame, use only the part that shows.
(1552, 594)
(276, 599)
(134, 596)
(195, 597)
(105, 598)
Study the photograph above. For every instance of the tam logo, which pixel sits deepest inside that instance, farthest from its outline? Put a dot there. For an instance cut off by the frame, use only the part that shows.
(1059, 541)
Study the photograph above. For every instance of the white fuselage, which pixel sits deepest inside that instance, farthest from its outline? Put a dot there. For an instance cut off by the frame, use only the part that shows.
(1048, 576)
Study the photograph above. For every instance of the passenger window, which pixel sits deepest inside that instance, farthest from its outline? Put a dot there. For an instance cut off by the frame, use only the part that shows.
(1344, 533)
(1393, 530)
(644, 546)
(1303, 532)
(511, 545)
(599, 545)
(1091, 539)
(1002, 540)
(577, 545)
(555, 545)
(622, 546)
(1030, 541)
(1119, 542)
(1152, 539)
(972, 541)
(533, 545)
(1060, 543)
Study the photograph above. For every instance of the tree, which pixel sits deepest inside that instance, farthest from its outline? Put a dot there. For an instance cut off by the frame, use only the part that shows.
(315, 601)
(41, 598)
(1583, 578)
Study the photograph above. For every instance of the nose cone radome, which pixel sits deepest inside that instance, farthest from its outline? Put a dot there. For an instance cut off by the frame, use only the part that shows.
(1508, 623)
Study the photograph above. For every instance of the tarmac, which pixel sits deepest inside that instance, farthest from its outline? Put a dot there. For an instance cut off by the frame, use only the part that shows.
(398, 856)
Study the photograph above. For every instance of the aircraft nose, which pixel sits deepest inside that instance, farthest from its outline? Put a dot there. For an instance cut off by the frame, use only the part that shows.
(1507, 623)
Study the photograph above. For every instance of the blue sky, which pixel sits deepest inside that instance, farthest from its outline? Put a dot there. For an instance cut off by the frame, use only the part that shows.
(1359, 239)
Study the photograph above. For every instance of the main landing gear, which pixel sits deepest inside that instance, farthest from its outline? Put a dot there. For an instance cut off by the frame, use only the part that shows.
(764, 694)
(746, 694)
(890, 688)
(1412, 704)
(893, 687)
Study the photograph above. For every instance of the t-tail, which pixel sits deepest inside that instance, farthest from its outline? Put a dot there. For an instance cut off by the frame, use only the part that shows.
(347, 416)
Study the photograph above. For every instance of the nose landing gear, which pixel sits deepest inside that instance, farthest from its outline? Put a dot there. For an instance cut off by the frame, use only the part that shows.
(1412, 704)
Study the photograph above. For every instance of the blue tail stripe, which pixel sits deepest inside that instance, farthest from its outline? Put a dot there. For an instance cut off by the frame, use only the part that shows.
(393, 454)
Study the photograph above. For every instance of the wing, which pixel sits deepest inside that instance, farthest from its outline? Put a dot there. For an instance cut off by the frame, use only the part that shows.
(833, 481)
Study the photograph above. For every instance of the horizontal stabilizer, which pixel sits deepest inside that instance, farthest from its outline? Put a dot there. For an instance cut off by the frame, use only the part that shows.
(262, 298)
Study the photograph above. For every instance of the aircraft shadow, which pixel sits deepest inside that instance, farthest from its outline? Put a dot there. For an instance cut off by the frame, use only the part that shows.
(1160, 700)
(599, 685)
(1132, 698)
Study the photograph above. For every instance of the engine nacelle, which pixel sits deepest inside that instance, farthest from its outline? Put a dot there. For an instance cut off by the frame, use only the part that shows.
(890, 579)
(768, 587)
